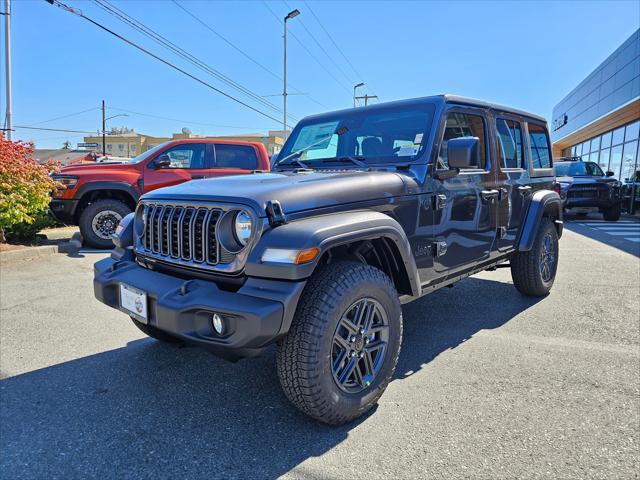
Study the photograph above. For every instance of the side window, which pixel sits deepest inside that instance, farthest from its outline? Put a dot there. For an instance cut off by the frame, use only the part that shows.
(191, 155)
(540, 148)
(463, 125)
(236, 156)
(510, 151)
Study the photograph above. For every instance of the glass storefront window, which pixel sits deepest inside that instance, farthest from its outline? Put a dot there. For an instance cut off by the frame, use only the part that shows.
(633, 131)
(616, 161)
(606, 140)
(585, 147)
(573, 150)
(595, 144)
(604, 159)
(629, 159)
(618, 136)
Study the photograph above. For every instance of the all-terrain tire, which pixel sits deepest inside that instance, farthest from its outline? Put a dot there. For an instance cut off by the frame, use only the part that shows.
(612, 214)
(304, 357)
(106, 207)
(527, 272)
(153, 332)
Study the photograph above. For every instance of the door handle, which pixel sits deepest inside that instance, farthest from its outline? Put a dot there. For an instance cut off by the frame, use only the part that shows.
(197, 177)
(487, 195)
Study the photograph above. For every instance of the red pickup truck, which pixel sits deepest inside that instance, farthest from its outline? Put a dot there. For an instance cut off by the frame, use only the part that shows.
(97, 196)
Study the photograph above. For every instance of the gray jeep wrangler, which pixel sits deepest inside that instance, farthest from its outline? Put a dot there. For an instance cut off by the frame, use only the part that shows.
(365, 209)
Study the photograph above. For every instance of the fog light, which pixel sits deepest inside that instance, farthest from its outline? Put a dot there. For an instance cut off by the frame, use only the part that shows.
(218, 323)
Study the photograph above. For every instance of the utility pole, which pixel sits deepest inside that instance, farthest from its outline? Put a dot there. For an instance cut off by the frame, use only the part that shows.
(7, 58)
(366, 98)
(291, 14)
(355, 87)
(104, 128)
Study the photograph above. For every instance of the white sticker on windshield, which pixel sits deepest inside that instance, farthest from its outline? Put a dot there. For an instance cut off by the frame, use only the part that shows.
(418, 138)
(408, 151)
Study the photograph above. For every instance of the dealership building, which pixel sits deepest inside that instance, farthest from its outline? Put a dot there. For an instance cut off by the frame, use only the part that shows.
(599, 120)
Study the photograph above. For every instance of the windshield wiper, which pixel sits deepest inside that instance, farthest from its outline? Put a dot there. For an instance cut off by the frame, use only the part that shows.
(355, 160)
(297, 162)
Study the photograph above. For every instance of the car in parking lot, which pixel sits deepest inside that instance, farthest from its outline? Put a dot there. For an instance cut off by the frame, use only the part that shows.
(631, 193)
(365, 208)
(584, 187)
(97, 196)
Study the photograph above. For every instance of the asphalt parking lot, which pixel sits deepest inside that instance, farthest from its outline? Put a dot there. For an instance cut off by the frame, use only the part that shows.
(490, 384)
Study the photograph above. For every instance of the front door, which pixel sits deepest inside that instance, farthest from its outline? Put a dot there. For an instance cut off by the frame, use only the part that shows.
(189, 161)
(465, 205)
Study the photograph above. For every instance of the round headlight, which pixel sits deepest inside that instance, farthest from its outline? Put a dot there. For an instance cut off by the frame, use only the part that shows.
(242, 227)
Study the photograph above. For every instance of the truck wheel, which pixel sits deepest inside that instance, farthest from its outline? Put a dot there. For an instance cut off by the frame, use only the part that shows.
(533, 272)
(153, 332)
(612, 214)
(100, 219)
(344, 342)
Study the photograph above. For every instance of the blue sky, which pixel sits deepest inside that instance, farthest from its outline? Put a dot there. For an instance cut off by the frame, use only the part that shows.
(525, 54)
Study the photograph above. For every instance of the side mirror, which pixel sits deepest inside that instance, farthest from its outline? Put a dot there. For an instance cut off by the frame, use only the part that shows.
(162, 161)
(610, 173)
(463, 152)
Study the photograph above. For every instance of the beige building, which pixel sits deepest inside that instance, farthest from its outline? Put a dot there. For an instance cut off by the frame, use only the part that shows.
(132, 143)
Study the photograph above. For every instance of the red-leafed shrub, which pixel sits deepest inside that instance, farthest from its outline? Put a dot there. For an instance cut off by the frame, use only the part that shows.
(25, 189)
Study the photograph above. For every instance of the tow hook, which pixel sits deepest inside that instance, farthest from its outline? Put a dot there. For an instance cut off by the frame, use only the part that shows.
(184, 289)
(275, 214)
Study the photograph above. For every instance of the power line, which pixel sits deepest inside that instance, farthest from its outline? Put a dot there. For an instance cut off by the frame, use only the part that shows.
(163, 41)
(238, 49)
(301, 22)
(308, 51)
(335, 44)
(59, 4)
(66, 116)
(184, 121)
(54, 129)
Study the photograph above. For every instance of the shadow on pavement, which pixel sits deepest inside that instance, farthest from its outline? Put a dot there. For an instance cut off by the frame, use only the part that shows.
(156, 410)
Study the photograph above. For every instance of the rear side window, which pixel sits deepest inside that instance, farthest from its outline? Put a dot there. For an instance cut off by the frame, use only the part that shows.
(236, 156)
(540, 147)
(463, 125)
(510, 151)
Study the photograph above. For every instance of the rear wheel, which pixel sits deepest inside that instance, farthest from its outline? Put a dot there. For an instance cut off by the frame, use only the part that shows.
(612, 214)
(534, 272)
(341, 351)
(99, 221)
(153, 332)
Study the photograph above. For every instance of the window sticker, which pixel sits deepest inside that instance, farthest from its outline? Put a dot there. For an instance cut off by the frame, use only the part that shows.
(408, 151)
(321, 133)
(418, 138)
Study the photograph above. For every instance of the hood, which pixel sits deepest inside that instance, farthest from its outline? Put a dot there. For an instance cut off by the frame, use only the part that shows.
(96, 168)
(586, 180)
(295, 191)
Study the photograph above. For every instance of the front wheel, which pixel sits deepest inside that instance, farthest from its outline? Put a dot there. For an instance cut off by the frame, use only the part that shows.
(343, 346)
(99, 221)
(534, 272)
(612, 214)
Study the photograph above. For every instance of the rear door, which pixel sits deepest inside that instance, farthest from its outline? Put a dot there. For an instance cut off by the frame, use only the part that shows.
(231, 159)
(189, 161)
(465, 205)
(513, 181)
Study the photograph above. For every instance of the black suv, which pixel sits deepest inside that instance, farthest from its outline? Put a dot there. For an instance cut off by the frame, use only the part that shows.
(631, 193)
(585, 187)
(366, 208)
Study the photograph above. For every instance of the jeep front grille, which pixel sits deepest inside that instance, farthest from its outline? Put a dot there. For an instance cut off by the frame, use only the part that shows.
(181, 233)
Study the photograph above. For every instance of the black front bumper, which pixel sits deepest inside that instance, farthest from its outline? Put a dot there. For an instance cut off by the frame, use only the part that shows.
(255, 316)
(63, 210)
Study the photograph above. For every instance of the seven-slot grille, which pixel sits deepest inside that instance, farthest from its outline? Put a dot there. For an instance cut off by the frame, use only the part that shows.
(588, 190)
(183, 233)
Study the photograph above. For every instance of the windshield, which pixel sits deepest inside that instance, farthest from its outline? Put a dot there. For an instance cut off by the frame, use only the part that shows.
(384, 135)
(578, 169)
(143, 156)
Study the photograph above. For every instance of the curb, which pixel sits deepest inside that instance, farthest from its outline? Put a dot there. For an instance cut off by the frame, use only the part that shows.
(28, 253)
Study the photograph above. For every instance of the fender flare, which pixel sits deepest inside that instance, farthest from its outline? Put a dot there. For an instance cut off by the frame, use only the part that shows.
(326, 232)
(93, 186)
(542, 201)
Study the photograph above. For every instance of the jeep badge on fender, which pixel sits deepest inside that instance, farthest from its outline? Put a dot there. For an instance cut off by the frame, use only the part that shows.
(365, 209)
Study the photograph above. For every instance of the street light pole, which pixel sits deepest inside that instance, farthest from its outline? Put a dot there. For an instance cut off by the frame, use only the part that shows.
(104, 128)
(291, 14)
(361, 84)
(7, 58)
